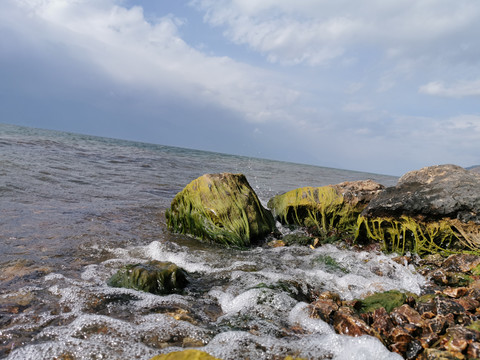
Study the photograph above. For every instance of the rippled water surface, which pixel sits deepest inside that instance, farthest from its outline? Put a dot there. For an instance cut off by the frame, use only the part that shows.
(75, 208)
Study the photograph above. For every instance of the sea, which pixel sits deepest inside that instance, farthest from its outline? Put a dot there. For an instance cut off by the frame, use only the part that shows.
(76, 208)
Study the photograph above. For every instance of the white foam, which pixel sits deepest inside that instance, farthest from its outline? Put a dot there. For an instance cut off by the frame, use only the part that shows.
(260, 300)
(233, 345)
(158, 251)
(299, 316)
(249, 288)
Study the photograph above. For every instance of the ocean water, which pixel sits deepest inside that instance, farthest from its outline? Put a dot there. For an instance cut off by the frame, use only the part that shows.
(75, 208)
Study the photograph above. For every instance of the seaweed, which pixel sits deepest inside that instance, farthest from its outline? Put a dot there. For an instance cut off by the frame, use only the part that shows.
(322, 208)
(406, 234)
(221, 208)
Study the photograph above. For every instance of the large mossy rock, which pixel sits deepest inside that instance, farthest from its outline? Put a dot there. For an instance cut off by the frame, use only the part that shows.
(432, 210)
(155, 277)
(185, 355)
(222, 208)
(325, 208)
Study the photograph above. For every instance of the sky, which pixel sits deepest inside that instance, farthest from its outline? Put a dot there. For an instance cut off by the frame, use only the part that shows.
(377, 86)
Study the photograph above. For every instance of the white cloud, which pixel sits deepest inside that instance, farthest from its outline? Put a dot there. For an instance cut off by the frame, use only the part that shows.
(354, 106)
(318, 32)
(457, 90)
(123, 44)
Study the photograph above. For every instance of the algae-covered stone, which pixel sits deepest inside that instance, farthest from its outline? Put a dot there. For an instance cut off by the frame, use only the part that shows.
(155, 277)
(325, 208)
(388, 300)
(222, 208)
(185, 355)
(431, 210)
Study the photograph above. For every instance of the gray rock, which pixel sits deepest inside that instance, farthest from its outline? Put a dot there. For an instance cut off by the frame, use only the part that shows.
(431, 210)
(431, 193)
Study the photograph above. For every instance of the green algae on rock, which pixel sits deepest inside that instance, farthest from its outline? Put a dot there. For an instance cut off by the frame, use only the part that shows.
(155, 277)
(388, 300)
(326, 208)
(222, 208)
(185, 355)
(408, 234)
(431, 210)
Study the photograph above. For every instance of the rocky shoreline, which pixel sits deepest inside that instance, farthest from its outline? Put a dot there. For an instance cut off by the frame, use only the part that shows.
(431, 218)
(442, 323)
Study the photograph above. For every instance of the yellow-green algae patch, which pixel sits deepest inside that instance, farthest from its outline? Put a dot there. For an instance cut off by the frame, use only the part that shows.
(185, 355)
(389, 300)
(222, 208)
(403, 234)
(321, 207)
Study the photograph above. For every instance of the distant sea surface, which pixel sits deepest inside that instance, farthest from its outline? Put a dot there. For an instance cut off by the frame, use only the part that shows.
(74, 208)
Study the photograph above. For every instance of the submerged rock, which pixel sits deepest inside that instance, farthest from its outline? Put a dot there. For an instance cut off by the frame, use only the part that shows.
(222, 208)
(155, 277)
(185, 355)
(434, 209)
(332, 207)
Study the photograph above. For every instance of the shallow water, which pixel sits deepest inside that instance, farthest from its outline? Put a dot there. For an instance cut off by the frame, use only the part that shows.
(75, 208)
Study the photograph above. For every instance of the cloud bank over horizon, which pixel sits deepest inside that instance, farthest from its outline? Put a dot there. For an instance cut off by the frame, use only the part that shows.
(372, 86)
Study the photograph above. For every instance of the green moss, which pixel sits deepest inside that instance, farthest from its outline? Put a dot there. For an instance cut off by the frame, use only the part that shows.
(297, 239)
(330, 263)
(322, 208)
(155, 277)
(474, 326)
(476, 270)
(222, 208)
(425, 298)
(459, 279)
(388, 300)
(407, 234)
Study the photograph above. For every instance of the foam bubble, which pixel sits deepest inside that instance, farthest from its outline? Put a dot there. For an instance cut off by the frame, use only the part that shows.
(299, 316)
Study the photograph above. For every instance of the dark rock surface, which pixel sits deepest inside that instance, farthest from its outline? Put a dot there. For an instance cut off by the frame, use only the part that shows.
(432, 210)
(431, 193)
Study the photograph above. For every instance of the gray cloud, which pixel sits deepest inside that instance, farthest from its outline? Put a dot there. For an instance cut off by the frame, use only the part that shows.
(344, 85)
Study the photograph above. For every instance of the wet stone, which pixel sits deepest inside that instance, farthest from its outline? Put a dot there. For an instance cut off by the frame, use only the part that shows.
(468, 303)
(406, 315)
(324, 309)
(436, 325)
(455, 292)
(461, 262)
(474, 293)
(447, 278)
(400, 338)
(459, 337)
(436, 354)
(414, 348)
(427, 309)
(448, 306)
(346, 323)
(155, 277)
(382, 323)
(427, 340)
(473, 350)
